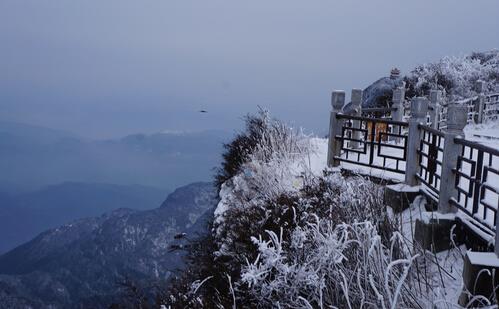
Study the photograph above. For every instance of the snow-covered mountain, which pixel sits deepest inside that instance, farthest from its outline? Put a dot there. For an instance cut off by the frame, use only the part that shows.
(25, 215)
(82, 263)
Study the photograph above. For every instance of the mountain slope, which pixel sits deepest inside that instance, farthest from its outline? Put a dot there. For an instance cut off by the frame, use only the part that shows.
(80, 263)
(24, 215)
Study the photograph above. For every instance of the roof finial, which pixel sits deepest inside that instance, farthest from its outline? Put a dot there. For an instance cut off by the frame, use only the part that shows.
(394, 73)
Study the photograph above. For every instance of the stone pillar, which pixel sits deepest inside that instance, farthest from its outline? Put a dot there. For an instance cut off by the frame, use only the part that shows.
(398, 103)
(357, 111)
(456, 121)
(419, 109)
(480, 105)
(434, 109)
(335, 127)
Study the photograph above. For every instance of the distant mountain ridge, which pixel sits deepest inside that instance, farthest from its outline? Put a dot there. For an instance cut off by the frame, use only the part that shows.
(33, 157)
(79, 264)
(33, 132)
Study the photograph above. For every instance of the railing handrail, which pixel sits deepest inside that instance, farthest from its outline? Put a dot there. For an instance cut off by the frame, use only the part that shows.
(382, 120)
(431, 130)
(475, 145)
(379, 109)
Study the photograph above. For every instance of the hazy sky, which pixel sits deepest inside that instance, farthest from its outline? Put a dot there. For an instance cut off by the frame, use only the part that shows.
(110, 68)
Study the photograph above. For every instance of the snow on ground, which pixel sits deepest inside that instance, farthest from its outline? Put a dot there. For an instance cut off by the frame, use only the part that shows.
(486, 134)
(484, 258)
(446, 267)
(318, 155)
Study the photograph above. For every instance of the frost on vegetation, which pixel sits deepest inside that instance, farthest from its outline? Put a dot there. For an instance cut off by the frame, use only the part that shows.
(348, 266)
(345, 265)
(281, 162)
(457, 75)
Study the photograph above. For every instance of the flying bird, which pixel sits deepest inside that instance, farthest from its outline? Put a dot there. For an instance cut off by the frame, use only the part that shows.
(203, 111)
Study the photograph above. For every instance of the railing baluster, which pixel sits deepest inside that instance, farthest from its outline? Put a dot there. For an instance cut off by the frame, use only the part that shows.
(478, 182)
(373, 138)
(335, 128)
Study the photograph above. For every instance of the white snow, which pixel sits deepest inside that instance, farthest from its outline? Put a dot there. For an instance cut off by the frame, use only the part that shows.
(483, 258)
(402, 187)
(428, 216)
(486, 134)
(447, 267)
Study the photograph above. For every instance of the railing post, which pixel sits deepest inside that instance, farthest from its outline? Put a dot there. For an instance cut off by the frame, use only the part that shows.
(397, 113)
(419, 110)
(335, 127)
(398, 103)
(456, 121)
(434, 109)
(357, 111)
(480, 106)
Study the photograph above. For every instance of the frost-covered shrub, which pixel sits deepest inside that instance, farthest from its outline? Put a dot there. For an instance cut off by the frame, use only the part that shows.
(262, 161)
(457, 75)
(263, 133)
